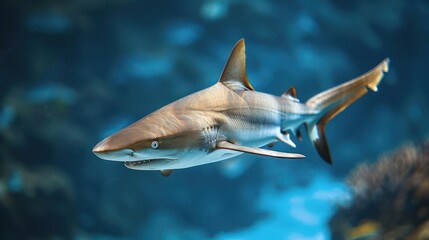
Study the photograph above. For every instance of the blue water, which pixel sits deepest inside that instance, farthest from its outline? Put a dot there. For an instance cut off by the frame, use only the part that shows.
(73, 72)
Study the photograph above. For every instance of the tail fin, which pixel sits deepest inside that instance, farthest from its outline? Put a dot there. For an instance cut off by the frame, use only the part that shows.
(333, 101)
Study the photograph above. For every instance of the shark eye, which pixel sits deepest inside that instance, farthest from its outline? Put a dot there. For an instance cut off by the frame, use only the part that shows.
(154, 144)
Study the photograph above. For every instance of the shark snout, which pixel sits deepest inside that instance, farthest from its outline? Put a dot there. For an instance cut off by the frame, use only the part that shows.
(106, 151)
(100, 147)
(118, 155)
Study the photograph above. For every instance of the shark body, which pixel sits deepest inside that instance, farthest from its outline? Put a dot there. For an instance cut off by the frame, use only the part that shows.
(229, 119)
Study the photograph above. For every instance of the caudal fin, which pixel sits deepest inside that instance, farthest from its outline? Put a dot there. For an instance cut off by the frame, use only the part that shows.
(333, 101)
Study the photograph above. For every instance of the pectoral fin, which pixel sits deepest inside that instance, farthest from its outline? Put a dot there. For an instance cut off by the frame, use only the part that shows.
(258, 151)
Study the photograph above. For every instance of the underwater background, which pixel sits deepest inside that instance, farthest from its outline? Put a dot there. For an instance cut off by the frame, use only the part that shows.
(74, 72)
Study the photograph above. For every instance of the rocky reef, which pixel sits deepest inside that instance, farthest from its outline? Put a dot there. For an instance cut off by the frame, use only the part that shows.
(390, 198)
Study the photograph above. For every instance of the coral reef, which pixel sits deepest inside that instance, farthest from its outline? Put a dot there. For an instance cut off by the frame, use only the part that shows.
(390, 198)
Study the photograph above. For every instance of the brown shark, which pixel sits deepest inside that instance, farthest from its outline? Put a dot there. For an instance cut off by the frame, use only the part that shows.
(229, 119)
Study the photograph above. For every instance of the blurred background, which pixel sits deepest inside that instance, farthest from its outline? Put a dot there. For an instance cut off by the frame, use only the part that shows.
(74, 72)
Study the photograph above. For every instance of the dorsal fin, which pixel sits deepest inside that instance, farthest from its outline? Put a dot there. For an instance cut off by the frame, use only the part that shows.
(234, 73)
(291, 94)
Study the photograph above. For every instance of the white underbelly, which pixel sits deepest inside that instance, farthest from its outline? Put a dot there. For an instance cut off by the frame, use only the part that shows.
(238, 132)
(201, 158)
(255, 137)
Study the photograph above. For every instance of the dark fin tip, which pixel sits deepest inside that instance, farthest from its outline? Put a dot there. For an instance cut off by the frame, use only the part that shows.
(321, 145)
(291, 92)
(299, 135)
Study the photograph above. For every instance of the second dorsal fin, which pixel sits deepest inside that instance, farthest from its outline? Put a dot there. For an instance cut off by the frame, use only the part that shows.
(291, 94)
(234, 74)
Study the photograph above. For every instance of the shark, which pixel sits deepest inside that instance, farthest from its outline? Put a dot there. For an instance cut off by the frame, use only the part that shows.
(230, 118)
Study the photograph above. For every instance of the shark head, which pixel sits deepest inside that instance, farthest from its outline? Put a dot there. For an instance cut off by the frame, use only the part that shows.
(159, 141)
(135, 149)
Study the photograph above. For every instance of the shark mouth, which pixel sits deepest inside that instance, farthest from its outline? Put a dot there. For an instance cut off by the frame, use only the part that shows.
(132, 164)
(140, 162)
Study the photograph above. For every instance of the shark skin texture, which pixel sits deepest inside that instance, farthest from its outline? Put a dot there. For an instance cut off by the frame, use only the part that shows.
(231, 118)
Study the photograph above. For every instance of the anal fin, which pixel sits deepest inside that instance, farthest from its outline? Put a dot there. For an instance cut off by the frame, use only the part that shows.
(258, 151)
